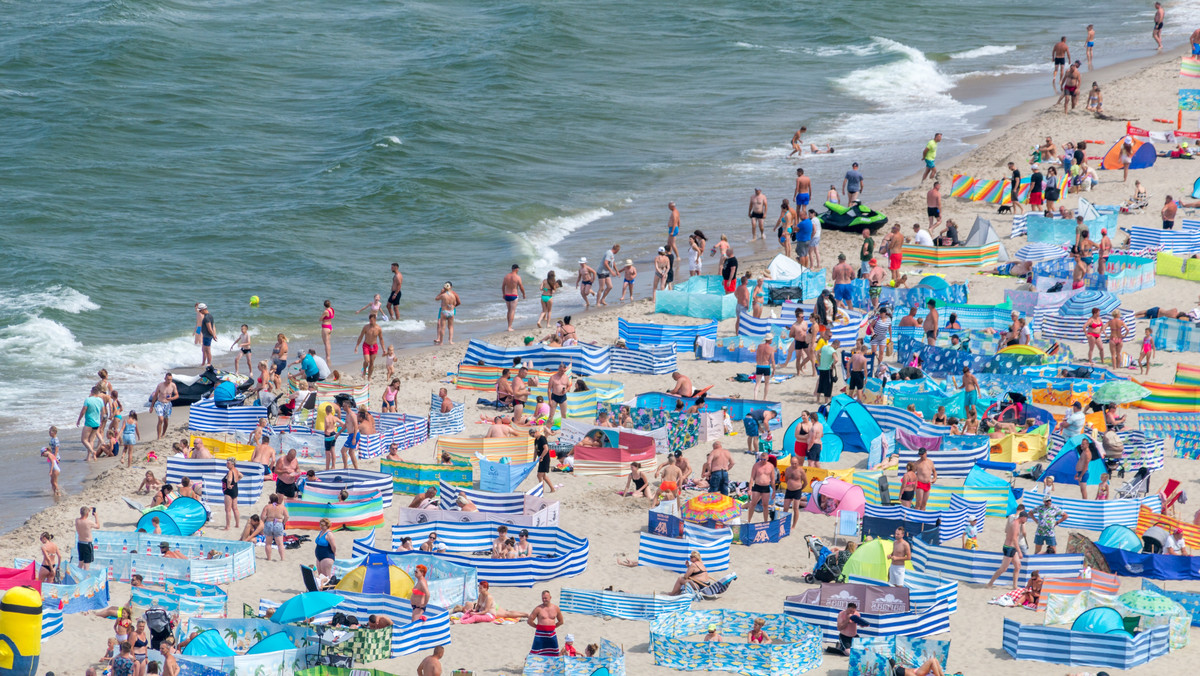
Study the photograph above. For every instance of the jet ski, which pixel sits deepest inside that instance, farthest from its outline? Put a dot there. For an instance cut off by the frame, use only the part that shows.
(194, 388)
(852, 218)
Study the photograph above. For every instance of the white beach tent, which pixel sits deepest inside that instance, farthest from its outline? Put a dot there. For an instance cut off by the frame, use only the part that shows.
(784, 268)
(982, 234)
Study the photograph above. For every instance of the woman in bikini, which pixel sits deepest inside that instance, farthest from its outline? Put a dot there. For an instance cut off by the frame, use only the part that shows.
(695, 575)
(420, 593)
(971, 426)
(757, 635)
(1116, 337)
(549, 285)
(908, 485)
(50, 559)
(446, 311)
(802, 429)
(524, 546)
(697, 243)
(783, 228)
(140, 640)
(758, 299)
(327, 327)
(638, 479)
(229, 488)
(566, 333)
(1093, 329)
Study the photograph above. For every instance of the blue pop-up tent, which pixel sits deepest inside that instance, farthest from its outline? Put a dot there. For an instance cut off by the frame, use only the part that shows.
(1062, 468)
(848, 427)
(184, 516)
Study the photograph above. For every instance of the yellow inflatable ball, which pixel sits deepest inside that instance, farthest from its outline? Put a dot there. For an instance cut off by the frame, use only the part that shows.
(253, 301)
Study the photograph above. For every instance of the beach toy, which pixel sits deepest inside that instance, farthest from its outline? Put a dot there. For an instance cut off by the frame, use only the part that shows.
(1092, 141)
(1164, 120)
(20, 632)
(253, 301)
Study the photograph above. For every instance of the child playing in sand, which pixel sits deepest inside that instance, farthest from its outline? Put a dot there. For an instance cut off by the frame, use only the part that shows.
(50, 453)
(149, 484)
(390, 357)
(1147, 352)
(1103, 488)
(541, 412)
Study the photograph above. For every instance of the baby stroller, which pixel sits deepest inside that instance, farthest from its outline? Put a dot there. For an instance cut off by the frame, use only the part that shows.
(828, 567)
(1138, 487)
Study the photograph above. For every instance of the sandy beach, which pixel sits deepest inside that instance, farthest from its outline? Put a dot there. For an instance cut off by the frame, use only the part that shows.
(592, 508)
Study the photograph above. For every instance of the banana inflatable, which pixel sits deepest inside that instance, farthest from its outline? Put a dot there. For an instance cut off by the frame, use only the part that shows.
(20, 632)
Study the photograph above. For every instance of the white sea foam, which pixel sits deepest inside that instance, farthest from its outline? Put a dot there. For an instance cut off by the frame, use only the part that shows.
(747, 45)
(1023, 69)
(855, 50)
(550, 231)
(986, 50)
(61, 298)
(406, 325)
(903, 83)
(395, 140)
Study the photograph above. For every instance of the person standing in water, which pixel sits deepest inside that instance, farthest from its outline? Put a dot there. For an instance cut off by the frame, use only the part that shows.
(449, 302)
(606, 273)
(1160, 15)
(393, 304)
(672, 229)
(798, 142)
(1060, 54)
(1091, 42)
(510, 288)
(327, 328)
(584, 281)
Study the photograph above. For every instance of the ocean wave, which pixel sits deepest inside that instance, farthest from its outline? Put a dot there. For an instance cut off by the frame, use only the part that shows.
(407, 325)
(550, 231)
(747, 45)
(844, 50)
(986, 50)
(911, 80)
(57, 297)
(1024, 69)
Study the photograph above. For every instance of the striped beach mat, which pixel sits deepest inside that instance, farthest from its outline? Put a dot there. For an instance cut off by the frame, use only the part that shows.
(1170, 398)
(1186, 374)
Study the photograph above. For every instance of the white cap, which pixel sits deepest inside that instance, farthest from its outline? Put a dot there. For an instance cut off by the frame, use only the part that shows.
(570, 638)
(662, 249)
(583, 260)
(201, 306)
(1033, 166)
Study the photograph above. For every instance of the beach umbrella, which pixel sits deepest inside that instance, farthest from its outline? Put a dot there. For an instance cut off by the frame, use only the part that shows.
(1119, 392)
(711, 507)
(303, 606)
(1092, 558)
(1147, 603)
(1081, 304)
(1037, 252)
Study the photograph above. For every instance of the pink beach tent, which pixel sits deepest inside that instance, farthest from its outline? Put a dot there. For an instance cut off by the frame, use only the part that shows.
(832, 495)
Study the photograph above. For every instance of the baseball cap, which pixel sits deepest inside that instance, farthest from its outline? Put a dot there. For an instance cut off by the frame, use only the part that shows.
(841, 257)
(201, 306)
(662, 249)
(874, 262)
(1033, 166)
(712, 627)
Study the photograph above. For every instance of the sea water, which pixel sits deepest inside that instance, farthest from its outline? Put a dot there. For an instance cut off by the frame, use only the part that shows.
(158, 154)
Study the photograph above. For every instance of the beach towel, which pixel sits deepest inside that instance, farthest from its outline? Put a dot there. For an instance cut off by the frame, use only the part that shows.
(545, 641)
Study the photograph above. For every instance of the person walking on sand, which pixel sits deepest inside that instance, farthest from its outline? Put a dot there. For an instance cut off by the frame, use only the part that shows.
(926, 477)
(1014, 189)
(630, 276)
(757, 211)
(549, 285)
(929, 157)
(510, 287)
(130, 436)
(764, 365)
(1060, 54)
(662, 265)
(371, 339)
(1170, 208)
(606, 273)
(1091, 42)
(1160, 16)
(541, 450)
(798, 143)
(1070, 85)
(90, 417)
(672, 229)
(393, 301)
(164, 394)
(1014, 533)
(546, 618)
(584, 280)
(448, 307)
(327, 328)
(83, 536)
(933, 205)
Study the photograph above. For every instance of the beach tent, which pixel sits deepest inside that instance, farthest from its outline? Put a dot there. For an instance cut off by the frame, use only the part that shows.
(1101, 620)
(1037, 252)
(377, 576)
(1196, 188)
(979, 478)
(870, 560)
(934, 282)
(849, 426)
(1062, 468)
(982, 233)
(184, 516)
(273, 643)
(837, 496)
(1143, 155)
(784, 268)
(1120, 537)
(208, 643)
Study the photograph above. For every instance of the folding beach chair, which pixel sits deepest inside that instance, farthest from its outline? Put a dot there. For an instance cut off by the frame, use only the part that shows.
(1171, 493)
(711, 591)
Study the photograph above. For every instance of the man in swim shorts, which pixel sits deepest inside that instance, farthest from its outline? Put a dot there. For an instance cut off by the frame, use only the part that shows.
(1170, 208)
(1060, 54)
(764, 360)
(719, 463)
(164, 394)
(670, 475)
(583, 281)
(1160, 16)
(393, 302)
(842, 275)
(556, 388)
(762, 482)
(1014, 532)
(208, 331)
(758, 211)
(901, 555)
(287, 470)
(509, 288)
(672, 231)
(803, 188)
(893, 244)
(926, 476)
(1091, 42)
(371, 338)
(1070, 86)
(929, 156)
(795, 481)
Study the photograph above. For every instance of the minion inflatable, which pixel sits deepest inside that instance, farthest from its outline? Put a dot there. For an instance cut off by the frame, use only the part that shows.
(20, 631)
